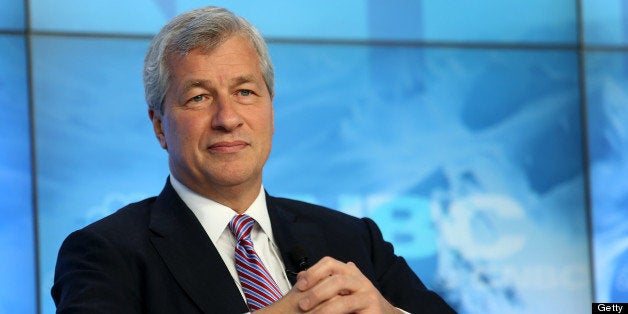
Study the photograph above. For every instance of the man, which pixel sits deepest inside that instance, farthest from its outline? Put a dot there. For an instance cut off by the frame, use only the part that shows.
(213, 241)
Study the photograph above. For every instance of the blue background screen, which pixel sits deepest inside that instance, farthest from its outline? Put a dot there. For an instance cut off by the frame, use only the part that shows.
(488, 139)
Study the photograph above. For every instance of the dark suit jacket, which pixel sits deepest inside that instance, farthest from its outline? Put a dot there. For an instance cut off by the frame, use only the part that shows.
(154, 257)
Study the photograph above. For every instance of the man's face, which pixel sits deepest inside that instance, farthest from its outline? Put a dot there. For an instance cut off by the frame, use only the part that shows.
(217, 123)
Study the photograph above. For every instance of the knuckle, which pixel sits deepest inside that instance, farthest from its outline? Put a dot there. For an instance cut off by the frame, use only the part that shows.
(338, 280)
(315, 294)
(328, 261)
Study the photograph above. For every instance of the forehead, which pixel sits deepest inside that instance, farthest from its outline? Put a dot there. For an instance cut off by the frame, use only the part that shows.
(234, 46)
(235, 55)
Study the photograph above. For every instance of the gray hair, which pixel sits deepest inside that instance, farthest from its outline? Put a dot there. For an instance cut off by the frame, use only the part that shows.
(206, 28)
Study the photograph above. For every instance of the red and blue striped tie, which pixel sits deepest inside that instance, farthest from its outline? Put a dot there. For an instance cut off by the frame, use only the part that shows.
(259, 287)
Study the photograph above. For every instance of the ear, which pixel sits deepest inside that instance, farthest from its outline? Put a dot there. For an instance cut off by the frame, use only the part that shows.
(155, 118)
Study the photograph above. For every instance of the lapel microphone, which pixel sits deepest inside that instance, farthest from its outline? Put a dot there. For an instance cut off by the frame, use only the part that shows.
(299, 258)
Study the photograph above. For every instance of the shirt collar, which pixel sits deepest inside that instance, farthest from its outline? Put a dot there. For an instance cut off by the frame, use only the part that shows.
(214, 217)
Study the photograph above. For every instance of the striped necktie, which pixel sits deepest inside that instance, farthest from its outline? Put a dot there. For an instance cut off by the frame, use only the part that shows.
(259, 288)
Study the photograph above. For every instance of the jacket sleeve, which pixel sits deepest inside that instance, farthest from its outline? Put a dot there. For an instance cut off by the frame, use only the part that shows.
(396, 280)
(92, 276)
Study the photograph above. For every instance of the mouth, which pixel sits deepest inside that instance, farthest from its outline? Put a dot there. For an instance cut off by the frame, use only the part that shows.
(226, 147)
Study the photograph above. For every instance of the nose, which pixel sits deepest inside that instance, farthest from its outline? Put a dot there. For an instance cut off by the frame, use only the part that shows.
(225, 116)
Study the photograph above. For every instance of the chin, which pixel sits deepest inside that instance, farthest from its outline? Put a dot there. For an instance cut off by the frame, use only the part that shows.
(231, 179)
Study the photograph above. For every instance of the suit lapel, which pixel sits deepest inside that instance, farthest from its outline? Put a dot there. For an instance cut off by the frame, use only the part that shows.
(292, 230)
(191, 257)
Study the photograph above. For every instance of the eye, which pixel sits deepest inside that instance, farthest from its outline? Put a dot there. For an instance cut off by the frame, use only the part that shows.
(245, 92)
(197, 98)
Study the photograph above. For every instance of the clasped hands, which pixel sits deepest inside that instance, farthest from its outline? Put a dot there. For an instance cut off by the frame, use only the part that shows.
(331, 286)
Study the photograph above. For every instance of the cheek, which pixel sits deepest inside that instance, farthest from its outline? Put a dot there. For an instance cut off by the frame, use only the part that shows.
(177, 131)
(272, 121)
(189, 132)
(268, 120)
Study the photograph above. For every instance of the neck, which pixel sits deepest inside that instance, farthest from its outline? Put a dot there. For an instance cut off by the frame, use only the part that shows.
(237, 197)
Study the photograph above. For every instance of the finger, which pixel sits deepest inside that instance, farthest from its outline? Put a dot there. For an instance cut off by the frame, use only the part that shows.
(287, 304)
(329, 288)
(367, 300)
(341, 304)
(324, 268)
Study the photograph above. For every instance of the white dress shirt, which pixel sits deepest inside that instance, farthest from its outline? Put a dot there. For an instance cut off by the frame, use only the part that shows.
(215, 217)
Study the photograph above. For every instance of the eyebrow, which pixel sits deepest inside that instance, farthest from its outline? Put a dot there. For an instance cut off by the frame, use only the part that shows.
(239, 80)
(195, 83)
(190, 84)
(244, 79)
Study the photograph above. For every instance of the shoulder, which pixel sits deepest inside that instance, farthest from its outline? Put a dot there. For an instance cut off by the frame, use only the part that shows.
(306, 210)
(125, 219)
(326, 220)
(128, 227)
(117, 239)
